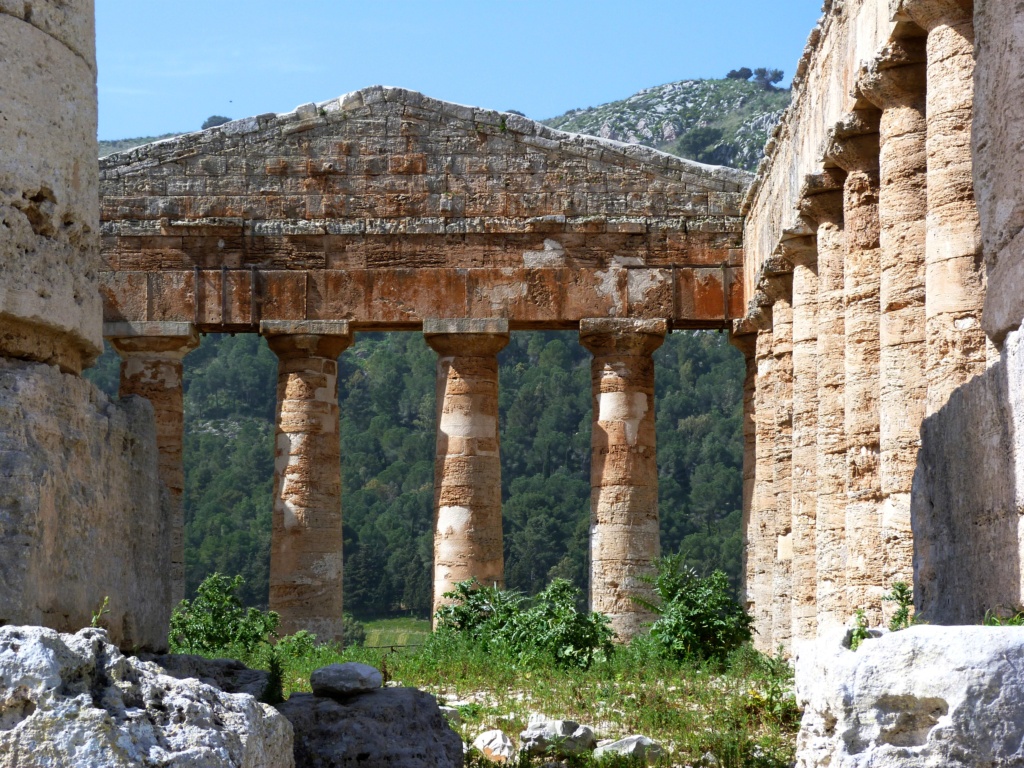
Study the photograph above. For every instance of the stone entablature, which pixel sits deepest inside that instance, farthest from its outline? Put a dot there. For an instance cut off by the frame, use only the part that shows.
(385, 207)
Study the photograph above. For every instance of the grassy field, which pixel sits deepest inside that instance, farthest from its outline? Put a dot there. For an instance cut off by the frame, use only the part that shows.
(387, 633)
(743, 715)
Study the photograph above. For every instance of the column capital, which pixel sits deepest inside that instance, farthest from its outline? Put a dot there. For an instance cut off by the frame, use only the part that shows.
(468, 337)
(307, 338)
(929, 14)
(605, 335)
(852, 144)
(897, 76)
(800, 251)
(744, 338)
(821, 197)
(162, 339)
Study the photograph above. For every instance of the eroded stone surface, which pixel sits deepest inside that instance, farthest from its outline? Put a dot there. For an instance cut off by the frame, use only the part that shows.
(341, 680)
(75, 700)
(925, 696)
(82, 512)
(49, 249)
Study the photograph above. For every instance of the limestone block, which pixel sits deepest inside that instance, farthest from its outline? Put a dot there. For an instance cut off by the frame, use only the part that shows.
(75, 700)
(925, 696)
(49, 300)
(82, 512)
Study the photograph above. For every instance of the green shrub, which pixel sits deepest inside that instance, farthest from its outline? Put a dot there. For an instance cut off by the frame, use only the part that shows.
(860, 632)
(903, 596)
(548, 627)
(215, 622)
(1013, 618)
(698, 619)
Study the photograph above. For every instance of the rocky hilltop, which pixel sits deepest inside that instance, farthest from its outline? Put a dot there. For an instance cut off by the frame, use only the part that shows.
(722, 122)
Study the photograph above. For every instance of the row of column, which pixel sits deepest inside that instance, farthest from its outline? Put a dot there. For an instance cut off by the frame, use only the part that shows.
(868, 325)
(306, 541)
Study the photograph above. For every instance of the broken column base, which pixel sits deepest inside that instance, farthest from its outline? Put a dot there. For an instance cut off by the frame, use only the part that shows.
(928, 695)
(83, 514)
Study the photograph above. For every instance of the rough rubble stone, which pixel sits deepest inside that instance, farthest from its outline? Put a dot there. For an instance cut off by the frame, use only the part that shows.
(495, 746)
(393, 727)
(558, 737)
(639, 746)
(925, 696)
(75, 700)
(340, 680)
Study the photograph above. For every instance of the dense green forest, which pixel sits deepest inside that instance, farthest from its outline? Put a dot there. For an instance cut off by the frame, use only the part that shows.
(386, 391)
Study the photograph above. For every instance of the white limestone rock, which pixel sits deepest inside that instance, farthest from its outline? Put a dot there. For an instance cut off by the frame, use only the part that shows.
(346, 679)
(926, 696)
(559, 737)
(639, 746)
(76, 700)
(495, 746)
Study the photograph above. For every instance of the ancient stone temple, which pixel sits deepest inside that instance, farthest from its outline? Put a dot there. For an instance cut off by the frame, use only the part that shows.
(880, 413)
(387, 210)
(82, 513)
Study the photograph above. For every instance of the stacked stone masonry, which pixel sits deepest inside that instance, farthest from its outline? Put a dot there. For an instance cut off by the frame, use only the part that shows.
(865, 277)
(84, 516)
(386, 210)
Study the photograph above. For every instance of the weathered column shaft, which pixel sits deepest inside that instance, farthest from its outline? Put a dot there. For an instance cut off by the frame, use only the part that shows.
(761, 539)
(896, 84)
(747, 344)
(802, 252)
(954, 272)
(467, 469)
(822, 205)
(306, 534)
(151, 367)
(782, 394)
(624, 532)
(854, 147)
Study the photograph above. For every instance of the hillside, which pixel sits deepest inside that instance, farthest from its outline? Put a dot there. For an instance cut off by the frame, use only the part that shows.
(722, 122)
(122, 145)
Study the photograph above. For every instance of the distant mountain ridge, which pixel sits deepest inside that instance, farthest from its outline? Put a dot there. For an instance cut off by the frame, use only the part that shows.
(721, 122)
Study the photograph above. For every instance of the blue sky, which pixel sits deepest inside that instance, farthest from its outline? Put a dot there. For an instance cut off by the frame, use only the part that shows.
(166, 66)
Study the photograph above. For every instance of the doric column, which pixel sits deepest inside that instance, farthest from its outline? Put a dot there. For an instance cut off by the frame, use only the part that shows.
(954, 270)
(761, 530)
(745, 340)
(802, 253)
(782, 459)
(854, 148)
(151, 366)
(306, 534)
(895, 83)
(467, 468)
(624, 534)
(821, 205)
